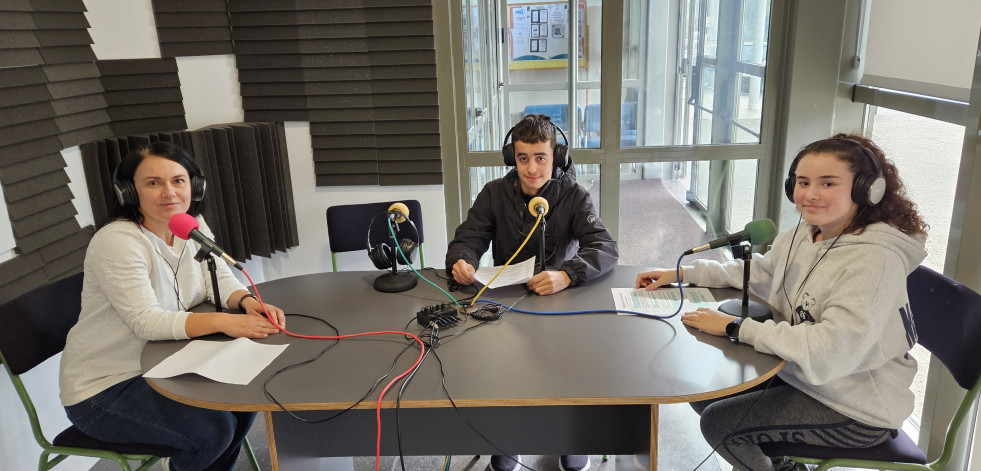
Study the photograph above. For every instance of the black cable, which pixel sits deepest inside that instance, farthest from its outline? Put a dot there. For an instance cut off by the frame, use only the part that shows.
(271, 397)
(736, 428)
(398, 403)
(460, 413)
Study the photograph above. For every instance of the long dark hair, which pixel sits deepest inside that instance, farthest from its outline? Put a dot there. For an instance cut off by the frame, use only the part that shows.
(127, 169)
(895, 208)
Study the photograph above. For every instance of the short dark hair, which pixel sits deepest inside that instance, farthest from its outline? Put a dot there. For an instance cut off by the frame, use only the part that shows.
(127, 169)
(534, 128)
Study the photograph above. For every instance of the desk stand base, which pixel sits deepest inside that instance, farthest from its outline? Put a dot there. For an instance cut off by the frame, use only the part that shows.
(758, 312)
(395, 282)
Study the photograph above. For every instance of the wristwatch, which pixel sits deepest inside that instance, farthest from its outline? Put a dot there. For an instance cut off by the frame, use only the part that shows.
(732, 329)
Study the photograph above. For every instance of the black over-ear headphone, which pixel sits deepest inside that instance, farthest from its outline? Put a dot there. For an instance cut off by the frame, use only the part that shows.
(382, 255)
(868, 188)
(560, 152)
(126, 190)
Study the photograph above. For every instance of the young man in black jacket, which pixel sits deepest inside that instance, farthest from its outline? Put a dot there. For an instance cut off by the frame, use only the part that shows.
(576, 241)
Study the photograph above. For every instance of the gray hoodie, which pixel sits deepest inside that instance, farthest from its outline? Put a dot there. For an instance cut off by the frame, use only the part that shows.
(847, 327)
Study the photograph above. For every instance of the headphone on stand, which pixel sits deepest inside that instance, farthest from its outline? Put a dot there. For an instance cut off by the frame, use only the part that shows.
(560, 152)
(868, 188)
(127, 196)
(384, 256)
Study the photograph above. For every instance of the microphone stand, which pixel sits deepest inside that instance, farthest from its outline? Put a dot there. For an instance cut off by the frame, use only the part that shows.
(395, 282)
(757, 311)
(541, 250)
(204, 254)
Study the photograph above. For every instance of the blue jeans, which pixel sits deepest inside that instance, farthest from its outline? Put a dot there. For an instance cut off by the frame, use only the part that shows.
(132, 412)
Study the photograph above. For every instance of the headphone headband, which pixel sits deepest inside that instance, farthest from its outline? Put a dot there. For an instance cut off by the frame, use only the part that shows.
(867, 188)
(381, 254)
(560, 152)
(126, 190)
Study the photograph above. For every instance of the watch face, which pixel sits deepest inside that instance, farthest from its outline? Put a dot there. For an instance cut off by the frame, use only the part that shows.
(731, 329)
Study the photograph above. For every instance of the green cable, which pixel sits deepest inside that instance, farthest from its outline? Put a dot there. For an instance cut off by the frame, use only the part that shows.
(409, 264)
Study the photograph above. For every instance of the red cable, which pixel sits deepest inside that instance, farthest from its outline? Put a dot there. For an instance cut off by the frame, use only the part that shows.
(422, 351)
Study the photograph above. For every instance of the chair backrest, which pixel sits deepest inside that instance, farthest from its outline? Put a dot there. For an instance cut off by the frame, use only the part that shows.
(347, 225)
(947, 316)
(36, 324)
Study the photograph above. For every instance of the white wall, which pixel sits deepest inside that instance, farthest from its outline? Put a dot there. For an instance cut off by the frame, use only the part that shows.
(124, 29)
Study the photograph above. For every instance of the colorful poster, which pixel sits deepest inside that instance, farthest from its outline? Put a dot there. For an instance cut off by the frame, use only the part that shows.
(539, 35)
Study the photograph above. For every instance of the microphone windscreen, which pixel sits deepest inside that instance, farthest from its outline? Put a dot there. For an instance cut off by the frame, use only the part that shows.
(761, 231)
(538, 200)
(182, 224)
(402, 208)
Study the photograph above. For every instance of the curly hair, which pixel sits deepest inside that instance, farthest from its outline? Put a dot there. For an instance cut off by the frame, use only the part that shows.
(895, 208)
(534, 128)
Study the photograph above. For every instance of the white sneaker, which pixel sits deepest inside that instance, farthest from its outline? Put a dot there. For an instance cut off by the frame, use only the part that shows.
(165, 463)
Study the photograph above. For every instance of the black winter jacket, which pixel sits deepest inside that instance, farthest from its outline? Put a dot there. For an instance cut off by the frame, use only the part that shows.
(575, 239)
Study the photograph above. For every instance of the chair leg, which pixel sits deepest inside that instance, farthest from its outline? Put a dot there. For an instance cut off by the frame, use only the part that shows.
(252, 458)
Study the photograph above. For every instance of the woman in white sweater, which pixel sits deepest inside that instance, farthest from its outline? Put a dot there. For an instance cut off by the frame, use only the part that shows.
(837, 283)
(140, 280)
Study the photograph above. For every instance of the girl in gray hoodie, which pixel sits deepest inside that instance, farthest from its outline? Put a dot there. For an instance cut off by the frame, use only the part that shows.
(837, 283)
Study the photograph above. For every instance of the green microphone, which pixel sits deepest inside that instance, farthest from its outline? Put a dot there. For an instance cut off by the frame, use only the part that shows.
(760, 231)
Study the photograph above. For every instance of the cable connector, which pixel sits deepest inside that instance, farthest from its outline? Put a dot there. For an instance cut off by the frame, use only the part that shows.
(442, 315)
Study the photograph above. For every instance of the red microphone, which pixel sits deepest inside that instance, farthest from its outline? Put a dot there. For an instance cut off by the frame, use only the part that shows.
(184, 225)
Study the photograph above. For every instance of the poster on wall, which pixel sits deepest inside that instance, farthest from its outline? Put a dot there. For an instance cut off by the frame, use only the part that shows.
(539, 35)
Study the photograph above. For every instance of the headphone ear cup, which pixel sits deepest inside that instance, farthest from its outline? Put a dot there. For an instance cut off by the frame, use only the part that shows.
(381, 256)
(508, 152)
(198, 187)
(860, 188)
(408, 247)
(560, 156)
(788, 187)
(126, 194)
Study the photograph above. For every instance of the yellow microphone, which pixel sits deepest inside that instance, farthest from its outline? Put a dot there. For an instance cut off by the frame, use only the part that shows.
(538, 206)
(399, 211)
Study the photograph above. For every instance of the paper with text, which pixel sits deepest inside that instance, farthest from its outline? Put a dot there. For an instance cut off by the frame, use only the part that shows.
(661, 302)
(512, 275)
(235, 362)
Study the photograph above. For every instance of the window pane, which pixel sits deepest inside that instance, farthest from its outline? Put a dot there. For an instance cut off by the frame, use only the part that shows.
(693, 72)
(927, 154)
(537, 63)
(676, 220)
(743, 189)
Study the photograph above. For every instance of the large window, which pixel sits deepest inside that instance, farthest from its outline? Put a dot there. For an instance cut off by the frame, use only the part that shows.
(689, 84)
(927, 153)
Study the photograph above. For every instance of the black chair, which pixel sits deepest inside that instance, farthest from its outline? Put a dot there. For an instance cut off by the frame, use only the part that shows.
(947, 316)
(347, 227)
(35, 326)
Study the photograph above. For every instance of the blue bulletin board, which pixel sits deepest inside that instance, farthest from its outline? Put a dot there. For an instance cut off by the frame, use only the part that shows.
(539, 35)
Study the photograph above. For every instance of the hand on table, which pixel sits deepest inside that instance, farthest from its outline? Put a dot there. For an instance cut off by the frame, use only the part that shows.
(708, 320)
(549, 282)
(253, 307)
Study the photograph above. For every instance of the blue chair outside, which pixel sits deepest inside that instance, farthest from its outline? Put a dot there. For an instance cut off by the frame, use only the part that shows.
(628, 125)
(947, 317)
(560, 116)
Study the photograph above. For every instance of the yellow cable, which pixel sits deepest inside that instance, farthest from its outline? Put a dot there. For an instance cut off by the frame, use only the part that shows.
(516, 252)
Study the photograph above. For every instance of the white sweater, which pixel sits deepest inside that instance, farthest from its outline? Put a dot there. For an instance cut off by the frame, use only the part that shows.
(847, 329)
(129, 297)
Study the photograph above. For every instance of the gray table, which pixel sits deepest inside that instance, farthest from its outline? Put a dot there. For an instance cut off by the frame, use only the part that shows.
(583, 384)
